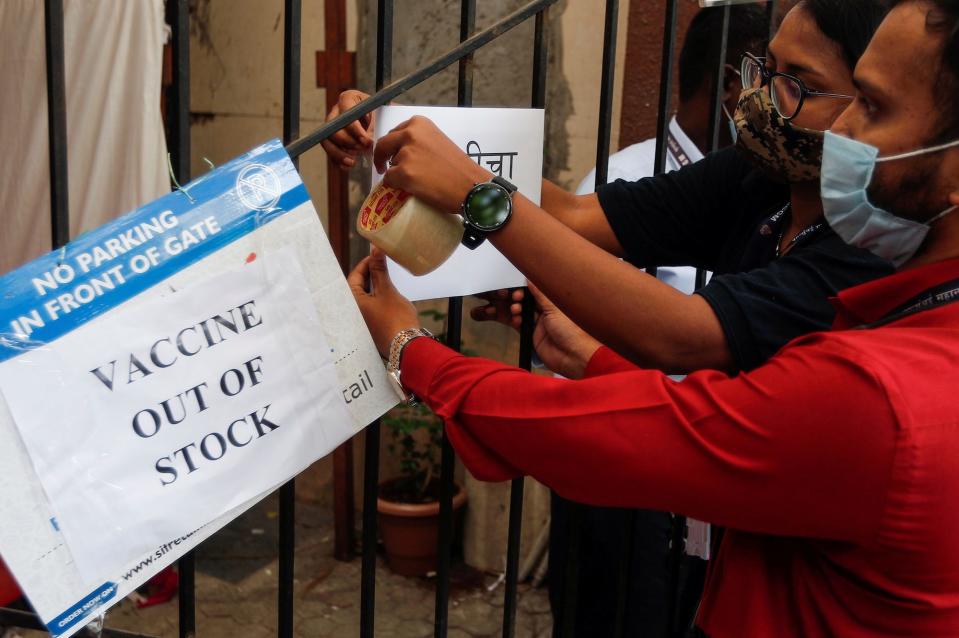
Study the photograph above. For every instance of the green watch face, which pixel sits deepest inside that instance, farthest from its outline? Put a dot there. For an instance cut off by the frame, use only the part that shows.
(488, 206)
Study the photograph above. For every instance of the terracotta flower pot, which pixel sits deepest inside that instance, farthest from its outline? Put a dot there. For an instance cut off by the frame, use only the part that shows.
(410, 532)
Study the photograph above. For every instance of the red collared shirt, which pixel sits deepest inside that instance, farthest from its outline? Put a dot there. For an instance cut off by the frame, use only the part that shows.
(835, 466)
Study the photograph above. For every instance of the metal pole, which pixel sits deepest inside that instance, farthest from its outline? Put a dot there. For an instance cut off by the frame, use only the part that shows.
(292, 28)
(454, 322)
(716, 110)
(540, 68)
(179, 112)
(665, 98)
(772, 10)
(57, 123)
(720, 88)
(602, 163)
(454, 326)
(178, 17)
(371, 469)
(606, 92)
(665, 86)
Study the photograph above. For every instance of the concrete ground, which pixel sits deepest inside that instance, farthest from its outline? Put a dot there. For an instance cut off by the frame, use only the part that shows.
(236, 591)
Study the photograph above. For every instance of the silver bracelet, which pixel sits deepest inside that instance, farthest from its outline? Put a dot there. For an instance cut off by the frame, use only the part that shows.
(397, 345)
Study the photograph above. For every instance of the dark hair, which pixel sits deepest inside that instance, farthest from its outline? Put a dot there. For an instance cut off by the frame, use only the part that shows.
(944, 19)
(748, 32)
(849, 23)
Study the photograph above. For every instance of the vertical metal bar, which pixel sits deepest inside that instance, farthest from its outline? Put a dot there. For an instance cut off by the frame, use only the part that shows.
(606, 92)
(454, 323)
(665, 85)
(540, 68)
(772, 11)
(515, 526)
(464, 85)
(716, 105)
(292, 29)
(602, 161)
(371, 470)
(384, 43)
(292, 44)
(368, 575)
(665, 100)
(540, 57)
(716, 100)
(187, 595)
(577, 511)
(178, 136)
(454, 329)
(179, 112)
(371, 475)
(57, 123)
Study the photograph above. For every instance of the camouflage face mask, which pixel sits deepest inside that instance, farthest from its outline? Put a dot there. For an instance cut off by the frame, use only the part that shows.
(784, 152)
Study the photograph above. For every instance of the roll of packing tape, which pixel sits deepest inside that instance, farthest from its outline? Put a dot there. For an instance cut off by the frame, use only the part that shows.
(414, 235)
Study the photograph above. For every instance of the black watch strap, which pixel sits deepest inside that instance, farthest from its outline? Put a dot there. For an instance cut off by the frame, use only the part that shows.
(509, 186)
(473, 237)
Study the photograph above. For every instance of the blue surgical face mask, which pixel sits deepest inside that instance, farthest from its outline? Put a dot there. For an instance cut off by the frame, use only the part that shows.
(847, 168)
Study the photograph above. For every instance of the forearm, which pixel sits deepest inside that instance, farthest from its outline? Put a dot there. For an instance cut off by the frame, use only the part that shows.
(635, 314)
(581, 213)
(708, 447)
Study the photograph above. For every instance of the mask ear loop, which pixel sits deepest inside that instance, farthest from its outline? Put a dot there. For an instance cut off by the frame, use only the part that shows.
(918, 152)
(940, 215)
(726, 113)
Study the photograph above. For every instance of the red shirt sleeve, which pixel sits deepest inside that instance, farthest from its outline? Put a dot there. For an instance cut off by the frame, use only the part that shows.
(801, 446)
(605, 361)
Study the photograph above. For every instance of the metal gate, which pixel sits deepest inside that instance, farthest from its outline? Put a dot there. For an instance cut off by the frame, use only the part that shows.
(178, 129)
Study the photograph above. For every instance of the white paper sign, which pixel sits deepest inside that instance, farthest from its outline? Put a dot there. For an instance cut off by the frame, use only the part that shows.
(507, 142)
(172, 413)
(248, 221)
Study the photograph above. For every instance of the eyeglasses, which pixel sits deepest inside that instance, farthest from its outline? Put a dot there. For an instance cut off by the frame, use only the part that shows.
(787, 92)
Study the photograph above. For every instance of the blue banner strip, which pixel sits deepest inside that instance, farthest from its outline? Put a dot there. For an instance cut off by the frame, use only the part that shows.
(78, 612)
(55, 294)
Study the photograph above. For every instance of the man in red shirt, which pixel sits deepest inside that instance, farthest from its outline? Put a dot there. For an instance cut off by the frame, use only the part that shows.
(833, 466)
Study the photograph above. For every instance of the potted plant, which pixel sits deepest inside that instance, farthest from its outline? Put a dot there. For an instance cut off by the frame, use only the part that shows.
(408, 504)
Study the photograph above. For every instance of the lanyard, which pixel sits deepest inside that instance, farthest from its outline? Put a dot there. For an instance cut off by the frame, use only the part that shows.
(806, 232)
(676, 150)
(929, 299)
(809, 230)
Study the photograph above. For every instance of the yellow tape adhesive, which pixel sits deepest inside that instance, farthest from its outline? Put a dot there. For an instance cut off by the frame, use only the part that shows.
(414, 235)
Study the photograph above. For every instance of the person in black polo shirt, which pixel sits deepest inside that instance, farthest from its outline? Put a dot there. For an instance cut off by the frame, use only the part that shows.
(751, 215)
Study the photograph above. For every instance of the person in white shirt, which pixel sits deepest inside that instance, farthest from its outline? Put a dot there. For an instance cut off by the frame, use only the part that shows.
(638, 161)
(689, 128)
(603, 528)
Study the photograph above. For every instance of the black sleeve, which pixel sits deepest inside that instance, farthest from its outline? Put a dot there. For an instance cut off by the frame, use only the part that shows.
(680, 218)
(763, 309)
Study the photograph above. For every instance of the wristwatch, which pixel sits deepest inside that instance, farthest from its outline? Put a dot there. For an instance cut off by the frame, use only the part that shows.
(486, 209)
(399, 343)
